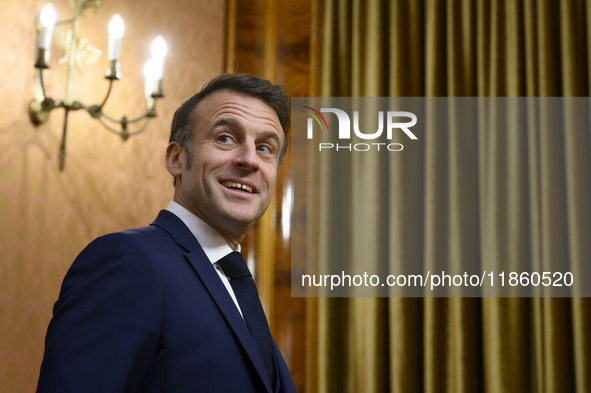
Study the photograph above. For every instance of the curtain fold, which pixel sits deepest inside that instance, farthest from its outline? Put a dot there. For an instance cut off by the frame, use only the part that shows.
(520, 199)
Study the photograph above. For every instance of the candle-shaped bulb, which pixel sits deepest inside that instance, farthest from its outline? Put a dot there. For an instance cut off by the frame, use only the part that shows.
(116, 29)
(47, 19)
(48, 15)
(149, 69)
(116, 26)
(159, 48)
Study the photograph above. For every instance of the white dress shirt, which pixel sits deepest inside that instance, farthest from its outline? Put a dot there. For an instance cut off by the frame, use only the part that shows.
(213, 244)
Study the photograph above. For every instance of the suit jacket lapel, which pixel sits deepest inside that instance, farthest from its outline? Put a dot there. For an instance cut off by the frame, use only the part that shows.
(210, 279)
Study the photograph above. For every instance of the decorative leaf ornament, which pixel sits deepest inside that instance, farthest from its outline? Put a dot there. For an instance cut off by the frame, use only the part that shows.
(84, 53)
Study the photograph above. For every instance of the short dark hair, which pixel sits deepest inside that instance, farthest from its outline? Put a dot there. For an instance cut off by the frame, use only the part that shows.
(273, 95)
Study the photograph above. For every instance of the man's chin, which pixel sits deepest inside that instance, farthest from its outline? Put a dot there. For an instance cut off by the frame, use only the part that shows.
(240, 218)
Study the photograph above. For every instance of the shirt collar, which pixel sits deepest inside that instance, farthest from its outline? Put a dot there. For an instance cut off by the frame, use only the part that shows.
(213, 244)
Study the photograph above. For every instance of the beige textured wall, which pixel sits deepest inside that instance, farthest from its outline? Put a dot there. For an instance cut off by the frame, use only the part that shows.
(47, 217)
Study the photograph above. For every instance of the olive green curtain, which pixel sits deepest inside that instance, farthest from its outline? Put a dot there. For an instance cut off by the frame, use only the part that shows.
(512, 197)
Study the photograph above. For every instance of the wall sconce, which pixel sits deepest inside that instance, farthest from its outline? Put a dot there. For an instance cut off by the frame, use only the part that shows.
(77, 52)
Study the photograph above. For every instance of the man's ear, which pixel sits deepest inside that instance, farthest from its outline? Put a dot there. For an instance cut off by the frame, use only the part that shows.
(175, 159)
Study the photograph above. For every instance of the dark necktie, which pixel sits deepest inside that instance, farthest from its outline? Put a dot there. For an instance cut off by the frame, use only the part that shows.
(247, 295)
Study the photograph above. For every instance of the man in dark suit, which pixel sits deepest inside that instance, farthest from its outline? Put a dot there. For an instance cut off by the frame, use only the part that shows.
(172, 307)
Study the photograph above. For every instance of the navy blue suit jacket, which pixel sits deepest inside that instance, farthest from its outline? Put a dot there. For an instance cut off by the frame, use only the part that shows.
(144, 310)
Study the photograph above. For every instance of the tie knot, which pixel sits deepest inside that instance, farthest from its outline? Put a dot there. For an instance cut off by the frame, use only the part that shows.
(234, 265)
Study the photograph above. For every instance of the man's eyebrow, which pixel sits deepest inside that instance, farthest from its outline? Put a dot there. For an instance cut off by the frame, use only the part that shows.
(228, 122)
(271, 135)
(233, 123)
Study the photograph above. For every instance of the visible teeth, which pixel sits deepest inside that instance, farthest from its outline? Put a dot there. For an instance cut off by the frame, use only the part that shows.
(231, 184)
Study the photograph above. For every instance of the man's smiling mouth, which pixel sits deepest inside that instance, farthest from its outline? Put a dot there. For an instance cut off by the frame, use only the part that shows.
(237, 186)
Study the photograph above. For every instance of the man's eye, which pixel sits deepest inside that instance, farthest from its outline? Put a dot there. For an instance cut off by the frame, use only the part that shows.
(264, 149)
(224, 138)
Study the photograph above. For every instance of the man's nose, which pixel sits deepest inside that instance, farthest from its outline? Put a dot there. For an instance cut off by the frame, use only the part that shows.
(247, 157)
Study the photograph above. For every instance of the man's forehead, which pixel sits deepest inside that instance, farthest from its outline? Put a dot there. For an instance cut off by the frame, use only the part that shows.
(224, 96)
(216, 106)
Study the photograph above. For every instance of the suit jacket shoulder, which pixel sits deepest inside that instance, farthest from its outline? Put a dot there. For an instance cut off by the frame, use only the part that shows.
(144, 310)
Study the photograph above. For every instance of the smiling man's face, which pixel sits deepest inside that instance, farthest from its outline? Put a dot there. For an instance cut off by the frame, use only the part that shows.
(237, 141)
